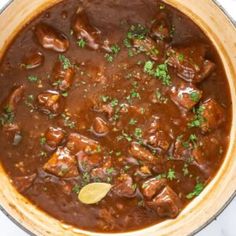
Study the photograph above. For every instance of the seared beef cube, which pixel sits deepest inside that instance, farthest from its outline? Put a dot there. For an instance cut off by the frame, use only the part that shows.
(50, 102)
(161, 28)
(124, 186)
(153, 186)
(50, 38)
(207, 68)
(33, 60)
(87, 162)
(190, 63)
(186, 95)
(62, 78)
(105, 172)
(141, 153)
(100, 127)
(167, 203)
(148, 46)
(23, 183)
(84, 30)
(107, 109)
(54, 137)
(77, 142)
(155, 136)
(159, 139)
(14, 98)
(62, 164)
(213, 115)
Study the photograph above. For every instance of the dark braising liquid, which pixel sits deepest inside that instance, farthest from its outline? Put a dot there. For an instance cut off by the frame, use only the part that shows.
(130, 93)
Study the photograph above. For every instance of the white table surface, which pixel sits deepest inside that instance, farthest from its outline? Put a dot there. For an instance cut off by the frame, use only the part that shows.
(224, 225)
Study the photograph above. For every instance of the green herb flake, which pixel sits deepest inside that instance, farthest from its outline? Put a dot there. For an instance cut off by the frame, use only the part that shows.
(171, 174)
(65, 62)
(197, 190)
(195, 96)
(32, 78)
(181, 57)
(115, 49)
(138, 133)
(133, 122)
(163, 74)
(148, 67)
(81, 43)
(42, 140)
(110, 171)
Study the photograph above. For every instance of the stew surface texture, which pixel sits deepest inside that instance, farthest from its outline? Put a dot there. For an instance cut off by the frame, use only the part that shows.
(129, 95)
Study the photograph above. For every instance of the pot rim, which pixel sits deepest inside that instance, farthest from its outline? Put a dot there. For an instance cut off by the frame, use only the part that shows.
(200, 228)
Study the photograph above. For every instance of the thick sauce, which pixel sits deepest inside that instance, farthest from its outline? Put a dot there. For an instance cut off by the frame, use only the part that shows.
(130, 93)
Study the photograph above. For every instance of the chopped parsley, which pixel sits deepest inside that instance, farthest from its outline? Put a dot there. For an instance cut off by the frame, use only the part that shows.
(65, 62)
(32, 78)
(198, 118)
(197, 190)
(110, 170)
(42, 140)
(195, 96)
(105, 98)
(7, 117)
(81, 43)
(133, 122)
(137, 31)
(67, 121)
(163, 74)
(138, 133)
(109, 57)
(181, 57)
(148, 67)
(115, 49)
(76, 189)
(171, 174)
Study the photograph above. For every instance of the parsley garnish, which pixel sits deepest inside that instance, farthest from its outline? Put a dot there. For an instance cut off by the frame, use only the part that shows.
(194, 96)
(197, 190)
(171, 174)
(32, 78)
(81, 43)
(198, 118)
(65, 62)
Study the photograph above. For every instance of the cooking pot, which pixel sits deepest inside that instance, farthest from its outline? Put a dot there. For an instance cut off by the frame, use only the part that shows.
(201, 211)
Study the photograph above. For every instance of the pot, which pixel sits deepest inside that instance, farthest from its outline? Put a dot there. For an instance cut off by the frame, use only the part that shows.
(216, 195)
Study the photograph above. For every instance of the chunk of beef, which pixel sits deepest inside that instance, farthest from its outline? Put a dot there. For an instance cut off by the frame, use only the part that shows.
(124, 186)
(105, 172)
(190, 63)
(14, 98)
(167, 203)
(62, 164)
(105, 108)
(23, 183)
(197, 152)
(213, 115)
(51, 38)
(50, 102)
(161, 28)
(100, 127)
(54, 137)
(155, 135)
(153, 186)
(84, 30)
(33, 60)
(147, 46)
(62, 78)
(77, 142)
(186, 95)
(141, 153)
(88, 162)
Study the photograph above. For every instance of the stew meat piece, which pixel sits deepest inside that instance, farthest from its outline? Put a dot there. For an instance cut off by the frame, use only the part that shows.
(131, 94)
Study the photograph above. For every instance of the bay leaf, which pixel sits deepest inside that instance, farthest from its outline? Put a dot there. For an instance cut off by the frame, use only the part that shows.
(94, 192)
